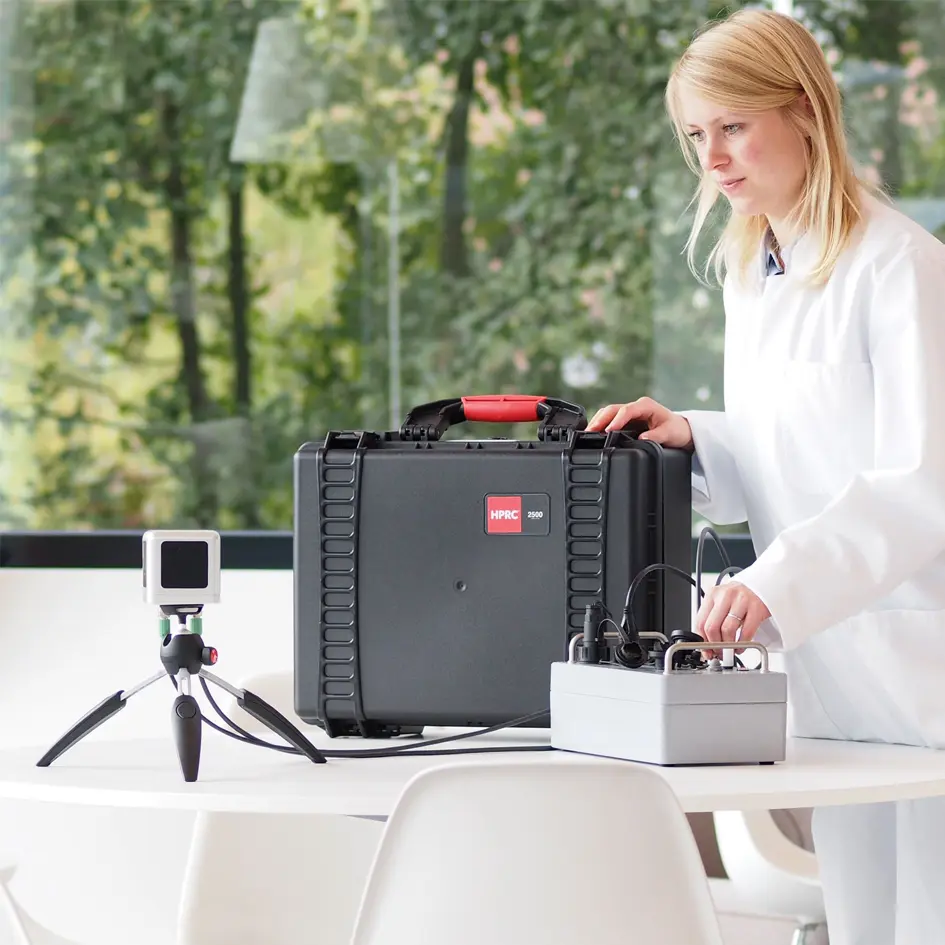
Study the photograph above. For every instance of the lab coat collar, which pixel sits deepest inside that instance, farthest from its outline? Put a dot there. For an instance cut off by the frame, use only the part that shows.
(798, 259)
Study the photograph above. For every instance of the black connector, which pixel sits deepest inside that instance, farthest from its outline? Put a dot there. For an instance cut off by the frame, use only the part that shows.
(683, 658)
(632, 655)
(590, 642)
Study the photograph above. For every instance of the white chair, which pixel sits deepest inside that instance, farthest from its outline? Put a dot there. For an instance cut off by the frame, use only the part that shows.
(261, 879)
(83, 874)
(18, 927)
(768, 874)
(537, 851)
(91, 875)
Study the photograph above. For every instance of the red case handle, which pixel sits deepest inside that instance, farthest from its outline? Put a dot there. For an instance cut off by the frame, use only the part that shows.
(502, 408)
(557, 417)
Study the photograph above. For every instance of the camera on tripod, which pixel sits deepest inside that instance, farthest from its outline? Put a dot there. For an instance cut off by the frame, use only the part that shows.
(181, 573)
(181, 569)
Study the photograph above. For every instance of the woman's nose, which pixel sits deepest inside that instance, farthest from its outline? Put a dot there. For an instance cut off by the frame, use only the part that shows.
(715, 155)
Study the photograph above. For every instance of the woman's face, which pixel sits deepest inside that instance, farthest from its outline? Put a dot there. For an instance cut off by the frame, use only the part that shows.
(755, 158)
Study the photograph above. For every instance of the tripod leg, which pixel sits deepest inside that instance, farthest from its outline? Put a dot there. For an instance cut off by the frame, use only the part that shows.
(271, 717)
(185, 721)
(275, 720)
(92, 719)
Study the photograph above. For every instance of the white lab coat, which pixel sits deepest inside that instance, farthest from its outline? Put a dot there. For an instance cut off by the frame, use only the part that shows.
(832, 447)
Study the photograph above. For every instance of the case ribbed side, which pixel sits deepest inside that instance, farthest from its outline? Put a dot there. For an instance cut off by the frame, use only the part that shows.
(585, 489)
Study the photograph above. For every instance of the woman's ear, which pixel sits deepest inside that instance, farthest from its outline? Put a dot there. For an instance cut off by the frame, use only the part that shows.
(805, 104)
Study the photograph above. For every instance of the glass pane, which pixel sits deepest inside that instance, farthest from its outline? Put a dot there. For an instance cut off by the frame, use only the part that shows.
(889, 57)
(227, 228)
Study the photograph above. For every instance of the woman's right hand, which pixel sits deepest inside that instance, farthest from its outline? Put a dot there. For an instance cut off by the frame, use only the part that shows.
(663, 426)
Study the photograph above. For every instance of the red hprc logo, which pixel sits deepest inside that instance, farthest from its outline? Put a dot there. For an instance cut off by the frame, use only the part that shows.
(503, 513)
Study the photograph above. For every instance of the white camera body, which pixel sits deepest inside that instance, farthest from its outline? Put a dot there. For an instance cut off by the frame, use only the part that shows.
(181, 567)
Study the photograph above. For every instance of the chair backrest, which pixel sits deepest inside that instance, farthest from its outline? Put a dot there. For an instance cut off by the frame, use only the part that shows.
(278, 880)
(771, 872)
(544, 851)
(264, 879)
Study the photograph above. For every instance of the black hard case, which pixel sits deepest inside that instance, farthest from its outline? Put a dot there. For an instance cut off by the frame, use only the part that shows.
(407, 613)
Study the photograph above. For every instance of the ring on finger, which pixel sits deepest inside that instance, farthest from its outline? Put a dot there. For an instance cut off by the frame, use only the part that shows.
(738, 617)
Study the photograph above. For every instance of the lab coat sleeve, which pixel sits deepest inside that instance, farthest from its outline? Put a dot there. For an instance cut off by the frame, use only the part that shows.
(889, 521)
(716, 483)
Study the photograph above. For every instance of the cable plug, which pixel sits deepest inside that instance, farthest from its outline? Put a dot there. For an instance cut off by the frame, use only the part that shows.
(590, 641)
(684, 658)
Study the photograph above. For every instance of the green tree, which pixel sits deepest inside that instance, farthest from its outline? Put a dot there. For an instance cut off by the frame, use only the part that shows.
(553, 173)
(140, 256)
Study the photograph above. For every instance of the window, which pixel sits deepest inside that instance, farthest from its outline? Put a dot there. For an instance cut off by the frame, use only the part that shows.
(229, 226)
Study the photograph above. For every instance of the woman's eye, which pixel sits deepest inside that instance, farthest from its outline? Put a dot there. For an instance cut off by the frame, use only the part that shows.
(731, 129)
(696, 136)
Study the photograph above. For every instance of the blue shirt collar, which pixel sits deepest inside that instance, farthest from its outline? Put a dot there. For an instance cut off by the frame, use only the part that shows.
(771, 265)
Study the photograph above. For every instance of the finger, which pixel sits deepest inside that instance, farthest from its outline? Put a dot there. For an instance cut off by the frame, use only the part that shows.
(602, 417)
(713, 599)
(703, 619)
(628, 412)
(756, 615)
(753, 621)
(659, 433)
(713, 628)
(724, 622)
(737, 630)
(705, 608)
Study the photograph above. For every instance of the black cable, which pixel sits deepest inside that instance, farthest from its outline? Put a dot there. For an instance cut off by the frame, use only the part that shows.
(225, 717)
(409, 749)
(725, 572)
(628, 628)
(223, 731)
(709, 532)
(421, 749)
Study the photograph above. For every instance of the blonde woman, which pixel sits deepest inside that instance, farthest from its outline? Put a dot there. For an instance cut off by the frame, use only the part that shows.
(831, 445)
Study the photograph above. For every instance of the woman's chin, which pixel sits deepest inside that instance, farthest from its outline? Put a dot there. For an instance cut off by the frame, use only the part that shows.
(743, 205)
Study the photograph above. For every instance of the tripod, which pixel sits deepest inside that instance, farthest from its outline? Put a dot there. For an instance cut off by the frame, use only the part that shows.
(185, 655)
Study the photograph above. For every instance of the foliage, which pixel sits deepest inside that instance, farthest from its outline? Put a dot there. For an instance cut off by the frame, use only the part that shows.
(194, 281)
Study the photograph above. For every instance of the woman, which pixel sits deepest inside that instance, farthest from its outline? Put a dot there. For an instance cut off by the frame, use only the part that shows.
(831, 444)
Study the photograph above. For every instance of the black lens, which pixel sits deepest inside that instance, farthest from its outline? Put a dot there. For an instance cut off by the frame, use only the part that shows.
(185, 564)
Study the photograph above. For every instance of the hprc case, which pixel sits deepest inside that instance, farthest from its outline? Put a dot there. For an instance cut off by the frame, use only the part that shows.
(437, 580)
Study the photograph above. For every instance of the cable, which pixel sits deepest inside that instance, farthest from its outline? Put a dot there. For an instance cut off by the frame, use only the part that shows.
(611, 620)
(409, 749)
(710, 532)
(628, 628)
(725, 572)
(413, 750)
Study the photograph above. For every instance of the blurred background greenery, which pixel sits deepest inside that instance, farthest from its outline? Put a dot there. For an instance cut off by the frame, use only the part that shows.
(229, 226)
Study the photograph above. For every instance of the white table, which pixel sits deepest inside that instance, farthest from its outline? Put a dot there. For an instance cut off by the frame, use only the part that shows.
(243, 778)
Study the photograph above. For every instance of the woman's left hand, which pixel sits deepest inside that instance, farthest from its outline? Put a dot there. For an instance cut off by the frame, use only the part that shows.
(730, 612)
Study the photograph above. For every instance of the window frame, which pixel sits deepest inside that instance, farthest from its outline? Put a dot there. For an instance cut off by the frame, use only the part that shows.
(240, 550)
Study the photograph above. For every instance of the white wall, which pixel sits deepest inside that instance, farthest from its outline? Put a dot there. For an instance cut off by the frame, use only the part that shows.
(100, 876)
(72, 637)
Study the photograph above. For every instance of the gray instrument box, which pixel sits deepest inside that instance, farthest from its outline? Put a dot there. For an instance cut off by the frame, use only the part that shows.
(682, 717)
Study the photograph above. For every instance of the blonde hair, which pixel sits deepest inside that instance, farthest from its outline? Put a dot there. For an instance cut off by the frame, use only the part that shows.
(754, 61)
